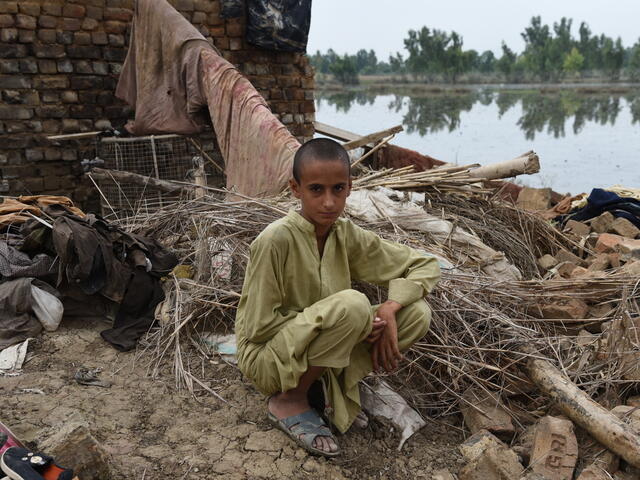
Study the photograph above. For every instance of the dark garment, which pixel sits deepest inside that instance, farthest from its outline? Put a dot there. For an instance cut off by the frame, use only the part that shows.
(600, 201)
(17, 318)
(232, 9)
(87, 259)
(136, 314)
(16, 264)
(279, 24)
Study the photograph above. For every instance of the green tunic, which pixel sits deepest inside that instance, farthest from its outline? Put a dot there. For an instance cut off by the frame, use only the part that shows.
(286, 275)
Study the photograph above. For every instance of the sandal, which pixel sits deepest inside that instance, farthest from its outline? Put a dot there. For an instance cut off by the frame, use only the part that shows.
(303, 429)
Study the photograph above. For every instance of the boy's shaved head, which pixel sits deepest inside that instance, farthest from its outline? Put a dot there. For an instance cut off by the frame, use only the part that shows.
(323, 149)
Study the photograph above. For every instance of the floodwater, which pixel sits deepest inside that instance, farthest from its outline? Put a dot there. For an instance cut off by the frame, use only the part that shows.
(584, 139)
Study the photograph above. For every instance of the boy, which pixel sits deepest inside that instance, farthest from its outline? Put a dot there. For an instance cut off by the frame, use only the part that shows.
(298, 319)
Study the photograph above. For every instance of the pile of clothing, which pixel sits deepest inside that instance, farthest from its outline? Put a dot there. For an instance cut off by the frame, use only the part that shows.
(57, 261)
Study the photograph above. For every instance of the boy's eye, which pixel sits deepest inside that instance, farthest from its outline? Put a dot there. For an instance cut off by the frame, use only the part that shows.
(315, 188)
(339, 188)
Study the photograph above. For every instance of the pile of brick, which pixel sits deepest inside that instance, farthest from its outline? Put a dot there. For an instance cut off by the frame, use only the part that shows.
(604, 243)
(550, 449)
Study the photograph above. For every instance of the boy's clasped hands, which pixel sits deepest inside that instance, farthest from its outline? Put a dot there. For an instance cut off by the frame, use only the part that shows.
(385, 353)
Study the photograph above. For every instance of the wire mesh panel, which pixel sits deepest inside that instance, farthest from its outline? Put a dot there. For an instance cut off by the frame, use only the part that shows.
(165, 157)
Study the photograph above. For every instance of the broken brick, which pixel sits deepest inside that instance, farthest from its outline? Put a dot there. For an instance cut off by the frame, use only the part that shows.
(565, 309)
(607, 242)
(547, 262)
(483, 411)
(624, 227)
(564, 269)
(534, 198)
(566, 256)
(602, 223)
(578, 228)
(600, 262)
(555, 449)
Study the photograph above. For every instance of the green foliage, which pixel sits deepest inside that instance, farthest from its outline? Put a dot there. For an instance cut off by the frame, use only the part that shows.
(550, 54)
(573, 61)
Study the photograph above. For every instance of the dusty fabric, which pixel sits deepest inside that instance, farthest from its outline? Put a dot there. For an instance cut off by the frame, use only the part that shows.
(18, 320)
(136, 313)
(14, 264)
(44, 201)
(279, 24)
(160, 76)
(257, 148)
(286, 289)
(171, 73)
(393, 156)
(15, 211)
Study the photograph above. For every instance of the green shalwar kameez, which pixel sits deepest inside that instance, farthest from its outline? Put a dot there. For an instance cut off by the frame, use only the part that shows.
(298, 309)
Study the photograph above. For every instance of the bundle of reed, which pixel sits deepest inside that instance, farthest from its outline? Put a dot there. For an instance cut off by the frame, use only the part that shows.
(478, 327)
(521, 234)
(442, 179)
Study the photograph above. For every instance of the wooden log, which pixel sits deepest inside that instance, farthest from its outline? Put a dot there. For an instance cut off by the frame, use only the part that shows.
(137, 179)
(525, 164)
(335, 132)
(601, 424)
(372, 137)
(373, 150)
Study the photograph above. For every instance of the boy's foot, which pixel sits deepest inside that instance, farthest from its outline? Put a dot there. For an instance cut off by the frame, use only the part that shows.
(283, 407)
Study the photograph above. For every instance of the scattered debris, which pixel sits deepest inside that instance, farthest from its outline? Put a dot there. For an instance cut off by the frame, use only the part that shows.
(12, 358)
(381, 400)
(73, 445)
(86, 376)
(484, 411)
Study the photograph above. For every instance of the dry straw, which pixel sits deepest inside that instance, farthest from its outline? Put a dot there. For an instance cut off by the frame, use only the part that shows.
(479, 326)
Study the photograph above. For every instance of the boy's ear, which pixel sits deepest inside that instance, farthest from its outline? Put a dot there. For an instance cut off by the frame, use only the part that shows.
(295, 188)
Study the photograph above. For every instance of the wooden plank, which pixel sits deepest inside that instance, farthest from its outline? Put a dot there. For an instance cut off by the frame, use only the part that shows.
(372, 137)
(73, 136)
(335, 132)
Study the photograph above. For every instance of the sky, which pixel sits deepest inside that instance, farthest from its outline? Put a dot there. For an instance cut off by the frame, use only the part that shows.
(381, 25)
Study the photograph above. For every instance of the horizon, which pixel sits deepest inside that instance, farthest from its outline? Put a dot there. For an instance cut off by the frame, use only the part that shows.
(329, 30)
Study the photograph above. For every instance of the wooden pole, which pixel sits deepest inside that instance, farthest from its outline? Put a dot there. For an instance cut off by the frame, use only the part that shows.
(136, 179)
(526, 164)
(372, 137)
(601, 424)
(374, 149)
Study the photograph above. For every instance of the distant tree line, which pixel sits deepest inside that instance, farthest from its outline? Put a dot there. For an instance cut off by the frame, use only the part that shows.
(550, 54)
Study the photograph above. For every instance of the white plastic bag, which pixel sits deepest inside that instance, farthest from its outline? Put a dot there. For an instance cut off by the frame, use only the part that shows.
(47, 308)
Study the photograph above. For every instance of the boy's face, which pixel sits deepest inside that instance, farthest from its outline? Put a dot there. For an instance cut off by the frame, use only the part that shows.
(323, 189)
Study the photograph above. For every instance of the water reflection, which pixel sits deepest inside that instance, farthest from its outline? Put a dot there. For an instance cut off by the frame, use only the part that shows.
(539, 111)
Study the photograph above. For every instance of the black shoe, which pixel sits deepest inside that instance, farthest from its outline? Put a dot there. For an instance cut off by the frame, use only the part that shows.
(22, 464)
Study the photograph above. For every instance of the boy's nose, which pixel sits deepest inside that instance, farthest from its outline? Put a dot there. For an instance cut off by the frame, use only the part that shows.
(328, 202)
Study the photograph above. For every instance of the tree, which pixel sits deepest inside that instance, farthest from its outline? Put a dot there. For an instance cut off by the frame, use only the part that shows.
(345, 70)
(573, 62)
(397, 64)
(486, 62)
(537, 39)
(507, 61)
(634, 61)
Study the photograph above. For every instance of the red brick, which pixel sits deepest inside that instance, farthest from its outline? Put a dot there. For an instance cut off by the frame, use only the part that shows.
(89, 24)
(46, 21)
(82, 38)
(607, 242)
(308, 106)
(26, 36)
(12, 7)
(235, 44)
(235, 29)
(6, 21)
(72, 24)
(95, 12)
(29, 8)
(52, 9)
(112, 26)
(47, 35)
(99, 38)
(73, 10)
(120, 14)
(26, 21)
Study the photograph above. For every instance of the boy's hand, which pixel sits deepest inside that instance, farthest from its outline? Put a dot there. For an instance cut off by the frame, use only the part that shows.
(385, 352)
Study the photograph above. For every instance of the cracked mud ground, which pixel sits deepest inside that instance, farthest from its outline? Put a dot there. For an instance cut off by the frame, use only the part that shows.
(153, 431)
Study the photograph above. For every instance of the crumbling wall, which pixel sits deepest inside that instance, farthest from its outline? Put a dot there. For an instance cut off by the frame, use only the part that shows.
(59, 66)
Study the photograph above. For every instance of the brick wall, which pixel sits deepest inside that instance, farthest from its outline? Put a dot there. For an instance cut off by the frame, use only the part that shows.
(59, 66)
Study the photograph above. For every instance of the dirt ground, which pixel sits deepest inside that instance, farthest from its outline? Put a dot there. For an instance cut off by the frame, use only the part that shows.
(153, 431)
